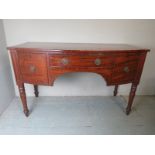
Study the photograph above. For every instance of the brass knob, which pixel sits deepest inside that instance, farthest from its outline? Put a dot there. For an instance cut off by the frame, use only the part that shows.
(126, 69)
(64, 61)
(32, 68)
(97, 61)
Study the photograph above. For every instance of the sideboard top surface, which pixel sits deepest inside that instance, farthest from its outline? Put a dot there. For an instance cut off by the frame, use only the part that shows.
(53, 46)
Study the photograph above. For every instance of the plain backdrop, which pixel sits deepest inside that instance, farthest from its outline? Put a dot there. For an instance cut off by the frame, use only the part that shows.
(7, 92)
(135, 32)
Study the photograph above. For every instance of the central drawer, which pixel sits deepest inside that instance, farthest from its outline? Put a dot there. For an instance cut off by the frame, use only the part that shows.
(80, 61)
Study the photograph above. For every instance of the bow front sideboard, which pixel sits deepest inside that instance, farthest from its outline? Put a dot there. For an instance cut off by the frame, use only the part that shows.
(41, 63)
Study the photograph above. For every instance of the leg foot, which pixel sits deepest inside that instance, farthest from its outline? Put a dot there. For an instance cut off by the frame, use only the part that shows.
(23, 98)
(36, 92)
(26, 112)
(115, 90)
(128, 111)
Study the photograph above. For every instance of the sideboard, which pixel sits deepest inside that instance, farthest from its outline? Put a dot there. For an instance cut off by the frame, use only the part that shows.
(40, 63)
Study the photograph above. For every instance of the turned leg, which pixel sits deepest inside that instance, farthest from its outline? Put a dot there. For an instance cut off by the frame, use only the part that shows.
(131, 97)
(23, 98)
(36, 92)
(115, 90)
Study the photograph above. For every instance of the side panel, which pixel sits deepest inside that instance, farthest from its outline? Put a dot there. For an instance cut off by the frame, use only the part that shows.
(14, 58)
(140, 67)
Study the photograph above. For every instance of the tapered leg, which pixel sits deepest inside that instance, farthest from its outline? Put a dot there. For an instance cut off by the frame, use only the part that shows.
(131, 97)
(115, 90)
(36, 92)
(23, 98)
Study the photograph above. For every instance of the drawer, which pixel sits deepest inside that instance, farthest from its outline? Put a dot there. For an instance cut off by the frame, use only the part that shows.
(80, 61)
(33, 67)
(126, 58)
(124, 73)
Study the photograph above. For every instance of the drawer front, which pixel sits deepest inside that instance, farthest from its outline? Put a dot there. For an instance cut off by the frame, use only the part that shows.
(33, 67)
(80, 61)
(126, 58)
(123, 73)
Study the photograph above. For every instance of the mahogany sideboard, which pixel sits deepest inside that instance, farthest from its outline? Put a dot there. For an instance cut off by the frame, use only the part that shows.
(41, 63)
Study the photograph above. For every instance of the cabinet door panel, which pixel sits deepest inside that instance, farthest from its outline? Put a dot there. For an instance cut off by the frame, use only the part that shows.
(33, 67)
(124, 73)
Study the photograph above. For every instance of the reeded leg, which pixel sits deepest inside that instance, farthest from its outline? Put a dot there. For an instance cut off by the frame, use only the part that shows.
(36, 92)
(23, 98)
(131, 97)
(115, 90)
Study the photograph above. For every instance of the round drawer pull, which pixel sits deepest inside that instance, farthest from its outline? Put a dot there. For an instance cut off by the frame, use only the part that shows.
(97, 61)
(64, 61)
(32, 68)
(126, 69)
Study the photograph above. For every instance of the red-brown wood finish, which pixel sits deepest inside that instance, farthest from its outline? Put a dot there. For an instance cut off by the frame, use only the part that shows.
(42, 63)
(23, 98)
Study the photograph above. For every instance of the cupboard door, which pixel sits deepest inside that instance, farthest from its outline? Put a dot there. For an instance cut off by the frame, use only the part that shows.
(33, 67)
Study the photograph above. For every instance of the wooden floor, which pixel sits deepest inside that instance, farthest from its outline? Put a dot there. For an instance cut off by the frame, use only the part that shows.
(80, 115)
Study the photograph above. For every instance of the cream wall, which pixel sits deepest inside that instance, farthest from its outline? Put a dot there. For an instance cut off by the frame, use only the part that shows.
(136, 32)
(7, 92)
